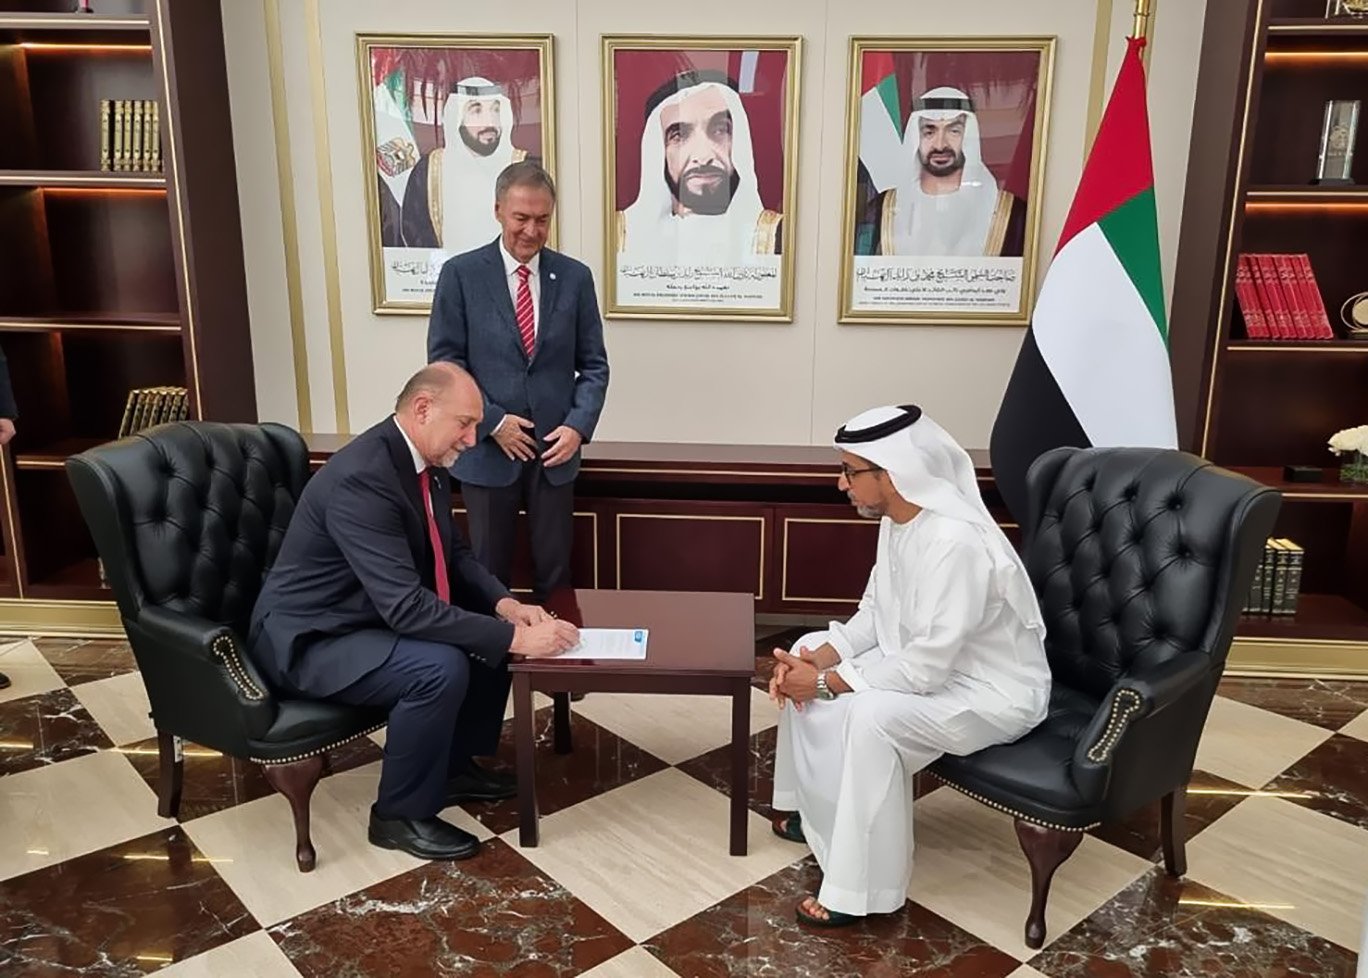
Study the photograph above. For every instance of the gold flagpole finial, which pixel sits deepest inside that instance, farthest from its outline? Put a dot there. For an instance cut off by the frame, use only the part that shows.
(1142, 16)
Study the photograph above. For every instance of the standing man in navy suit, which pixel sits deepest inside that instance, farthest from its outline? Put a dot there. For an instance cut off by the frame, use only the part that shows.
(524, 320)
(375, 600)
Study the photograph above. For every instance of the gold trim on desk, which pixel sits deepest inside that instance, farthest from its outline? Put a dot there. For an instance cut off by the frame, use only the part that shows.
(77, 619)
(173, 176)
(326, 214)
(593, 516)
(704, 517)
(784, 548)
(1318, 658)
(289, 218)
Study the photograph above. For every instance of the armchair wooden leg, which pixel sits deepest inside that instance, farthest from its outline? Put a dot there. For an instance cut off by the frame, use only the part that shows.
(1046, 849)
(1172, 809)
(296, 782)
(169, 778)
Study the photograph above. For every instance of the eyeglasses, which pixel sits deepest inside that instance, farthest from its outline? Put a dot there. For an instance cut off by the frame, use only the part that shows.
(850, 473)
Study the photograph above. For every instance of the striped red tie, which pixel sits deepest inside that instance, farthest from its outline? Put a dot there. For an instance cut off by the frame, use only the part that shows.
(526, 327)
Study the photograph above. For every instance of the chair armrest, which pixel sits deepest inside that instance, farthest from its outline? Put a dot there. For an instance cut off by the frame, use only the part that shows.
(198, 644)
(1132, 699)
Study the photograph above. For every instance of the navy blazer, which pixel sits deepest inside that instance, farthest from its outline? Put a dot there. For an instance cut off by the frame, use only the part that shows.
(563, 382)
(355, 573)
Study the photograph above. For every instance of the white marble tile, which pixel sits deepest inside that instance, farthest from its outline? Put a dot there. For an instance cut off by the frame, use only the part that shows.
(54, 813)
(674, 728)
(256, 843)
(653, 853)
(969, 868)
(636, 962)
(253, 956)
(1251, 746)
(1299, 865)
(119, 705)
(1025, 971)
(29, 673)
(1357, 727)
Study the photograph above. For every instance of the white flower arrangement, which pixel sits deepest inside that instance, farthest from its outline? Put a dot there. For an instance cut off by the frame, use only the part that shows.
(1350, 440)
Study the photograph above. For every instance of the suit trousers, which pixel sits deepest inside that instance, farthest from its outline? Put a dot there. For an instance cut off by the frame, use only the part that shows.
(442, 709)
(493, 517)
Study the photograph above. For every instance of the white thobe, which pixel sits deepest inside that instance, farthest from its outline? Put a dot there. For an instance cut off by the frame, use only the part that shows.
(939, 664)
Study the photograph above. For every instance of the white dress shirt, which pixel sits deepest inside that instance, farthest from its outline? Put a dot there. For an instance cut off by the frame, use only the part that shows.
(533, 283)
(419, 465)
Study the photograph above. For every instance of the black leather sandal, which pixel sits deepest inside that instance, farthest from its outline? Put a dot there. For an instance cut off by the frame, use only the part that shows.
(790, 828)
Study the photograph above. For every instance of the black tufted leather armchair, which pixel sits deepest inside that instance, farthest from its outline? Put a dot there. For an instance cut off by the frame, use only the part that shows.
(187, 518)
(1141, 560)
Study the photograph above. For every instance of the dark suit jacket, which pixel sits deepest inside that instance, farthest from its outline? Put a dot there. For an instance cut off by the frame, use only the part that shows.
(355, 573)
(564, 382)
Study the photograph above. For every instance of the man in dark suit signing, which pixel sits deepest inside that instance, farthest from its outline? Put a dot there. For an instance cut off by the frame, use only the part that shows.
(375, 600)
(524, 320)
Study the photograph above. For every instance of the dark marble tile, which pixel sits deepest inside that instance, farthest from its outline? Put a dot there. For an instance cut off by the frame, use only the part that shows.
(1324, 702)
(212, 781)
(130, 909)
(599, 761)
(1163, 926)
(754, 933)
(1209, 797)
(494, 914)
(714, 770)
(45, 729)
(81, 660)
(1332, 779)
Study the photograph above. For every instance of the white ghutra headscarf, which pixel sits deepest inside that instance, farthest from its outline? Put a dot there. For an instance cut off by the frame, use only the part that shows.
(930, 469)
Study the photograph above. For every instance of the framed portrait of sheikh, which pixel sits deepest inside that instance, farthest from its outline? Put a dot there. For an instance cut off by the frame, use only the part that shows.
(945, 147)
(441, 116)
(700, 140)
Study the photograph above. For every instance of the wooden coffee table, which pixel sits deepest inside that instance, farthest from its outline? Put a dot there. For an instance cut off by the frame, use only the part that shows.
(700, 642)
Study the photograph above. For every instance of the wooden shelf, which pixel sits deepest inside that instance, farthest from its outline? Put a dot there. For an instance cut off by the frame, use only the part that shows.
(83, 179)
(1331, 490)
(1318, 617)
(54, 456)
(1316, 27)
(10, 20)
(151, 322)
(1308, 196)
(1298, 346)
(77, 581)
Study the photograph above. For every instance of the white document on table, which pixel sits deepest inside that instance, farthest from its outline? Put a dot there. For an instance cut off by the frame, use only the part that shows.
(609, 643)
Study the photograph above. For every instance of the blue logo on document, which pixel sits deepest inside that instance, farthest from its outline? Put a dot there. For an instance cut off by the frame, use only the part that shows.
(638, 635)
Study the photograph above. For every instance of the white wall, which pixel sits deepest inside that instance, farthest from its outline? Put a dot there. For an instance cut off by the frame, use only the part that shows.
(671, 381)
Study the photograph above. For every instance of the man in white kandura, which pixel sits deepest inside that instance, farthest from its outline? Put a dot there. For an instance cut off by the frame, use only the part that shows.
(945, 655)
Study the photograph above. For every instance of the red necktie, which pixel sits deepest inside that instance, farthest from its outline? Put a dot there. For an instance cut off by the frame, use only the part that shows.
(523, 308)
(443, 587)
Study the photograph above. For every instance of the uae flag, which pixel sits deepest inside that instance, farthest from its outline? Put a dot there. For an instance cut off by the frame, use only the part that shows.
(881, 119)
(1094, 367)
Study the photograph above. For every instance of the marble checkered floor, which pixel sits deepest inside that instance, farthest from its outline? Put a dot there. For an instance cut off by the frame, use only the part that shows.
(632, 879)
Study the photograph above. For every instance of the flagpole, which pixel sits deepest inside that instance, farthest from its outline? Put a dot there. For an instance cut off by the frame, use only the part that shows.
(1142, 16)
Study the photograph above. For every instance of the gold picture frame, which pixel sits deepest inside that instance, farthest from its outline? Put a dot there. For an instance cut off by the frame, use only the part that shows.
(970, 259)
(726, 252)
(507, 83)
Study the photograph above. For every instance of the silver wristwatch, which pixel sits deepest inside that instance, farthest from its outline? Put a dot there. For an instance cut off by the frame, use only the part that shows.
(824, 692)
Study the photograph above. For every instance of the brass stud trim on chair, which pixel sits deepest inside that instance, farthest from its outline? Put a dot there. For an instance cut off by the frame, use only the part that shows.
(1012, 811)
(320, 750)
(1100, 752)
(225, 651)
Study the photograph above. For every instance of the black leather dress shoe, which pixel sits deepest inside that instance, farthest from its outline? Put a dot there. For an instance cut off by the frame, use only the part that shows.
(480, 784)
(426, 838)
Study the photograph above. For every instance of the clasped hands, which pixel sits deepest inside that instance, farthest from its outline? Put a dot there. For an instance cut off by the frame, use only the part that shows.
(795, 677)
(512, 436)
(536, 633)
